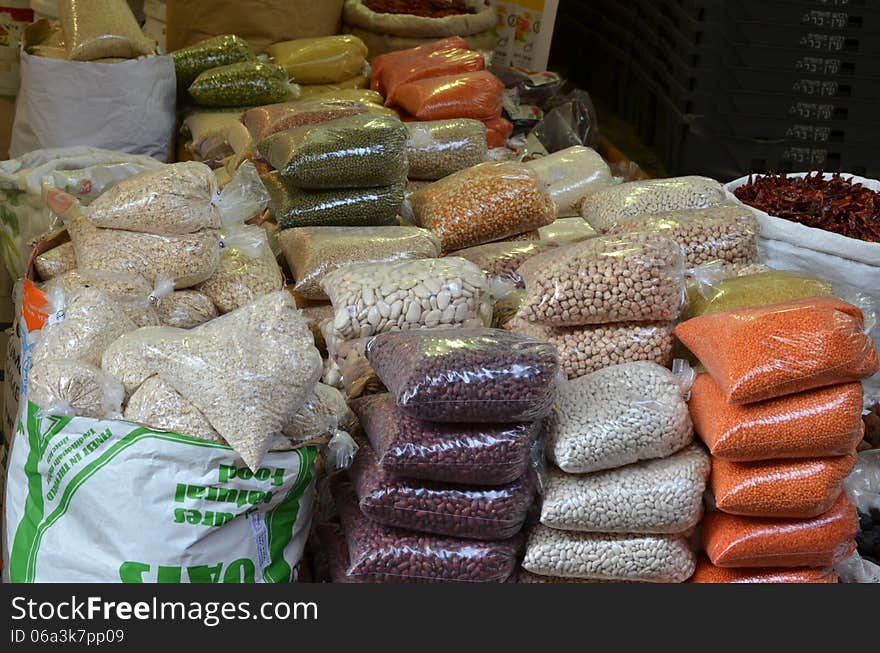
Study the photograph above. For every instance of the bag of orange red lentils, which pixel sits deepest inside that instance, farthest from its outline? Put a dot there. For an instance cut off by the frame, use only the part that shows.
(735, 541)
(772, 351)
(797, 489)
(816, 423)
(708, 573)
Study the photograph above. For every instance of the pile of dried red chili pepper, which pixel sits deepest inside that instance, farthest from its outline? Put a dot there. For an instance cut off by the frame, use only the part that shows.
(833, 204)
(424, 8)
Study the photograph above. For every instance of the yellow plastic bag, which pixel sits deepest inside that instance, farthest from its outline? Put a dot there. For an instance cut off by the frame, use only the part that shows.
(754, 290)
(324, 60)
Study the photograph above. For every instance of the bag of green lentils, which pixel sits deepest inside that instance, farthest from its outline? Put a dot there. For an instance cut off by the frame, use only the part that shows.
(352, 207)
(225, 50)
(247, 83)
(358, 151)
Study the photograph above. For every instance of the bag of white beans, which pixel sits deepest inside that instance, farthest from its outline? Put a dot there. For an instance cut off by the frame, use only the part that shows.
(607, 556)
(618, 416)
(663, 495)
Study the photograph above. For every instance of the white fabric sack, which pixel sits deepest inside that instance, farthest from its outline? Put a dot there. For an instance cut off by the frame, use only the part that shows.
(127, 106)
(852, 266)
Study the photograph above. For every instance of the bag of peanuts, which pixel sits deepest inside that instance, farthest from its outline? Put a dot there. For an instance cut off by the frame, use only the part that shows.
(624, 278)
(469, 375)
(609, 556)
(664, 495)
(587, 349)
(706, 572)
(812, 424)
(488, 202)
(383, 554)
(618, 416)
(373, 298)
(796, 489)
(613, 203)
(772, 351)
(490, 454)
(723, 233)
(734, 541)
(476, 512)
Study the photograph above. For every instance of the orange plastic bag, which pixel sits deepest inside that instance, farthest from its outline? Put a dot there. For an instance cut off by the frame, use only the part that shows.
(439, 63)
(498, 130)
(706, 572)
(378, 64)
(734, 541)
(469, 95)
(772, 351)
(796, 489)
(823, 422)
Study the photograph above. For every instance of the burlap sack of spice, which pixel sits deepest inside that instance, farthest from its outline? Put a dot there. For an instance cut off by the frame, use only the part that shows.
(260, 22)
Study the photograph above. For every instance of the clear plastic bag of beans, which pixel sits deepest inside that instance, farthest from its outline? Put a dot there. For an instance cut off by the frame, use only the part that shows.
(335, 551)
(608, 556)
(735, 541)
(359, 151)
(218, 51)
(502, 260)
(313, 252)
(623, 278)
(262, 122)
(482, 513)
(772, 351)
(618, 416)
(774, 287)
(722, 233)
(798, 488)
(472, 375)
(100, 29)
(587, 349)
(571, 174)
(448, 453)
(439, 148)
(608, 205)
(394, 555)
(247, 83)
(352, 207)
(814, 424)
(487, 202)
(663, 495)
(372, 298)
(706, 572)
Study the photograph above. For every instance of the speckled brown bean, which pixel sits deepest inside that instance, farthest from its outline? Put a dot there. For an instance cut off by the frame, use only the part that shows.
(623, 278)
(482, 513)
(397, 555)
(471, 375)
(448, 453)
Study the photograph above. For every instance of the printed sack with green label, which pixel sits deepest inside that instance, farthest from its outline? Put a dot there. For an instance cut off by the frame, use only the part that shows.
(110, 501)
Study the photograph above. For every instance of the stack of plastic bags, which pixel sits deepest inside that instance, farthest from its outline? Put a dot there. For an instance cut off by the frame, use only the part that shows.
(780, 409)
(442, 80)
(625, 489)
(441, 484)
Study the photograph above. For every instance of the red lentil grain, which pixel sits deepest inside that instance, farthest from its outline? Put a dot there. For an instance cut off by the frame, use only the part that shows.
(797, 489)
(816, 423)
(735, 541)
(771, 351)
(708, 573)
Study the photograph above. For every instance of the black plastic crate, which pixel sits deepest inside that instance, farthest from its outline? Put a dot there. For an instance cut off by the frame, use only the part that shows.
(727, 157)
(857, 13)
(781, 104)
(771, 128)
